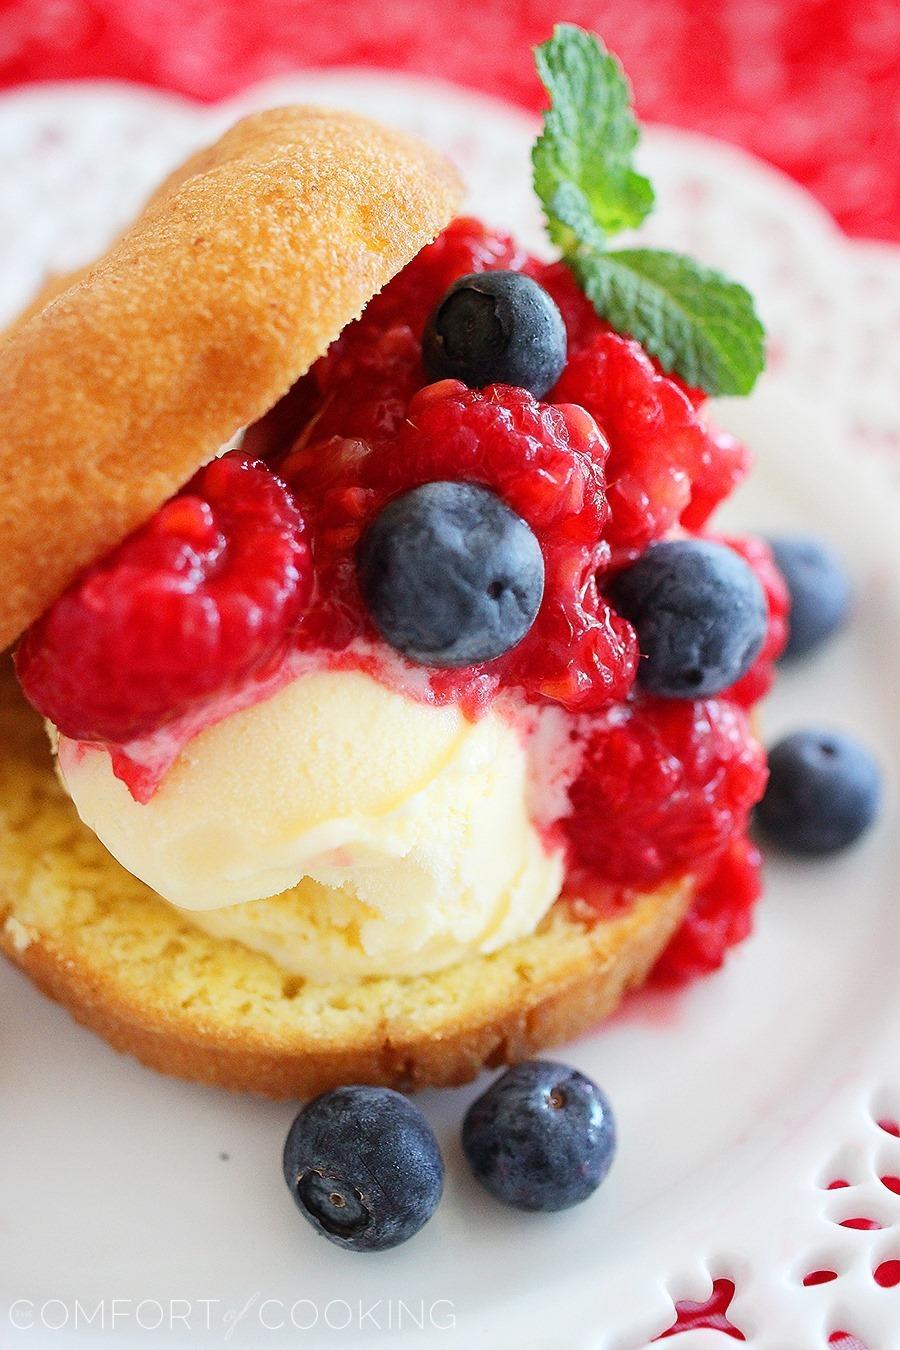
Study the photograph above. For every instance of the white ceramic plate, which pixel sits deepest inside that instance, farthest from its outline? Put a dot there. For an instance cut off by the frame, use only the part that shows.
(137, 1210)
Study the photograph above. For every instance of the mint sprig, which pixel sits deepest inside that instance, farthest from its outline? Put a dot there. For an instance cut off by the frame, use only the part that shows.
(694, 320)
(583, 169)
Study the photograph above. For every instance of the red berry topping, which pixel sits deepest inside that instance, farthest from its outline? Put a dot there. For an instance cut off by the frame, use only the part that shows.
(656, 439)
(665, 463)
(720, 916)
(581, 319)
(760, 677)
(546, 464)
(366, 381)
(664, 785)
(723, 465)
(194, 601)
(697, 397)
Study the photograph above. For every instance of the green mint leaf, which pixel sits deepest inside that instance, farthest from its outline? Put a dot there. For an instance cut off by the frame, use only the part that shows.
(692, 319)
(582, 160)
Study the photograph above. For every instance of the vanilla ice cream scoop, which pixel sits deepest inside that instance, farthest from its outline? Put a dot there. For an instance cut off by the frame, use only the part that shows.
(395, 837)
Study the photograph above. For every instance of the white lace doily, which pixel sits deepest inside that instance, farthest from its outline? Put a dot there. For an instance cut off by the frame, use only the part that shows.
(740, 1101)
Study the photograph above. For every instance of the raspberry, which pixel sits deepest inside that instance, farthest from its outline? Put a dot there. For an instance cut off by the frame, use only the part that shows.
(366, 381)
(193, 602)
(720, 916)
(696, 396)
(664, 463)
(656, 439)
(724, 464)
(761, 676)
(326, 479)
(663, 786)
(546, 463)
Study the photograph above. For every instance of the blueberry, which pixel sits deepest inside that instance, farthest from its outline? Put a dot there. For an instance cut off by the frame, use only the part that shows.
(542, 1137)
(451, 575)
(700, 615)
(819, 590)
(363, 1167)
(824, 792)
(496, 328)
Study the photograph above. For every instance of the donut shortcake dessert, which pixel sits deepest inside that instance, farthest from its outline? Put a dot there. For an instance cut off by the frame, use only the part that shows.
(358, 564)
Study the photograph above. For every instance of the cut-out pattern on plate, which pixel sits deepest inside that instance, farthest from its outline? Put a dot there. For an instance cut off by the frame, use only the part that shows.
(709, 1315)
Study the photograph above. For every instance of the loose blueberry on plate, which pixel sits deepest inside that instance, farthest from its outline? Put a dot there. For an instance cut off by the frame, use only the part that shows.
(496, 328)
(363, 1167)
(700, 614)
(541, 1138)
(824, 792)
(819, 589)
(451, 575)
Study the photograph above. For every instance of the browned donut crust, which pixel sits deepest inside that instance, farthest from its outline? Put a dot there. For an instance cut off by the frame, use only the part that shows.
(133, 969)
(241, 270)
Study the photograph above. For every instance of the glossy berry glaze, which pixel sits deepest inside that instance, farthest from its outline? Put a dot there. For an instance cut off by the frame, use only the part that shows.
(615, 457)
(198, 598)
(546, 463)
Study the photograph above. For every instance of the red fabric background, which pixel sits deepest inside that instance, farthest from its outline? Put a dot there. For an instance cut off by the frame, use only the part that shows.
(811, 85)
